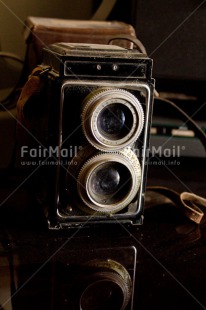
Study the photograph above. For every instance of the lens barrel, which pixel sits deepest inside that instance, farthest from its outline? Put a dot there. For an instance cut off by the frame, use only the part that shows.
(108, 182)
(112, 119)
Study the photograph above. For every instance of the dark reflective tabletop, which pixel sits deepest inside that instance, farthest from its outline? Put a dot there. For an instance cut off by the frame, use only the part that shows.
(164, 258)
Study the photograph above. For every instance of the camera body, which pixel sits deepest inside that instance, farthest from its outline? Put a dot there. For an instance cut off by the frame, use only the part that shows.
(99, 104)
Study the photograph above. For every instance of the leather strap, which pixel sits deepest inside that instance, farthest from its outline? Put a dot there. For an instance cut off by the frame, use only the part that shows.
(31, 87)
(104, 10)
(188, 203)
(134, 40)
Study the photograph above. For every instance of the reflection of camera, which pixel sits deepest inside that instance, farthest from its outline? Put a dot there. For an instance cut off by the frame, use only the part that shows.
(100, 283)
(82, 275)
(99, 102)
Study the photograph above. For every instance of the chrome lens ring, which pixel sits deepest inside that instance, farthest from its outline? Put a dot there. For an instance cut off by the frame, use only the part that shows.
(108, 182)
(122, 115)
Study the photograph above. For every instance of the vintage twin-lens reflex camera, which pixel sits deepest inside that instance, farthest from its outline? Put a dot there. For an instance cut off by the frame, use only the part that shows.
(99, 114)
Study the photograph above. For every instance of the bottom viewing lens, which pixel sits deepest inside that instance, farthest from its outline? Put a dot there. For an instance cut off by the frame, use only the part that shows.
(105, 181)
(101, 295)
(109, 183)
